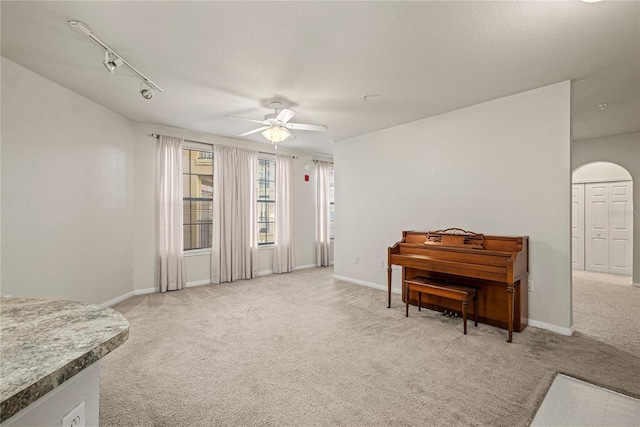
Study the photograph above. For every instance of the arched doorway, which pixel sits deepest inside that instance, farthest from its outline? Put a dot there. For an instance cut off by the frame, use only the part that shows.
(602, 219)
(602, 215)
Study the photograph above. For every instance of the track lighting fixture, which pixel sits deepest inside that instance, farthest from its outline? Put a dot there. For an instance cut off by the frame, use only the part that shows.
(146, 93)
(113, 60)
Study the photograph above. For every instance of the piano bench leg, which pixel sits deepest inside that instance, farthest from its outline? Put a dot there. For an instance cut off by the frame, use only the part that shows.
(419, 301)
(475, 308)
(464, 315)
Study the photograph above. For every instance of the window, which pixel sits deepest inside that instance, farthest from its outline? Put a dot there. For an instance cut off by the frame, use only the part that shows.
(266, 201)
(332, 209)
(197, 198)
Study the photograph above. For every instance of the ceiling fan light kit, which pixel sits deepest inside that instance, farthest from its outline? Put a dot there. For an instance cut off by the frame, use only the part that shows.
(276, 127)
(276, 134)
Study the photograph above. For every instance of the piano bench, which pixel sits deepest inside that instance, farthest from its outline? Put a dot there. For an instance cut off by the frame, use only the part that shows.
(441, 288)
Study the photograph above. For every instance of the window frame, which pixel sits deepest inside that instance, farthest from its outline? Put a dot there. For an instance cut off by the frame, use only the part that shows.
(187, 221)
(332, 207)
(262, 160)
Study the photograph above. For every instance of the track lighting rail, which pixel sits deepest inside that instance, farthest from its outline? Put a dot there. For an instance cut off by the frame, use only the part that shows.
(81, 26)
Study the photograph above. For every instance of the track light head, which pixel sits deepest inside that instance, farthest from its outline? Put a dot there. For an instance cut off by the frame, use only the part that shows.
(111, 61)
(146, 93)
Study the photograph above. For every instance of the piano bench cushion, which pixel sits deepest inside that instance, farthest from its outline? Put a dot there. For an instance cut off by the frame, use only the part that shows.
(441, 288)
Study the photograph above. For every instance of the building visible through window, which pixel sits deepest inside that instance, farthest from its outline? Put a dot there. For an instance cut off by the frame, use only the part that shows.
(197, 198)
(266, 201)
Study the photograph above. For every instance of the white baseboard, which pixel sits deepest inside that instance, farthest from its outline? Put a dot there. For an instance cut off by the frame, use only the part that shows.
(367, 284)
(300, 267)
(117, 300)
(121, 298)
(536, 324)
(637, 285)
(549, 327)
(198, 283)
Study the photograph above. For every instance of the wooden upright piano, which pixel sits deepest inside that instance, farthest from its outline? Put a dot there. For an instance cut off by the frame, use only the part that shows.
(498, 266)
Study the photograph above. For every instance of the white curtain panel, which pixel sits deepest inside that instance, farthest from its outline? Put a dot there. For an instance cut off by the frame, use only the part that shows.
(169, 210)
(323, 232)
(284, 259)
(234, 252)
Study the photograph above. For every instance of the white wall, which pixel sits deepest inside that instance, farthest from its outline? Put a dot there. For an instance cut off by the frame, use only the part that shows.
(67, 192)
(623, 150)
(197, 265)
(501, 167)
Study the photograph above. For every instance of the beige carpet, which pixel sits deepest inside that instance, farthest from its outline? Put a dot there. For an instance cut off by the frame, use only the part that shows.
(303, 349)
(607, 308)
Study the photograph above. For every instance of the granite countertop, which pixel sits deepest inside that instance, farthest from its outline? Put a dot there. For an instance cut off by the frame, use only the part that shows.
(43, 343)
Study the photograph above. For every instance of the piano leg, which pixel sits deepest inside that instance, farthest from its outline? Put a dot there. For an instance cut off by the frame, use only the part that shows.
(511, 289)
(407, 302)
(389, 286)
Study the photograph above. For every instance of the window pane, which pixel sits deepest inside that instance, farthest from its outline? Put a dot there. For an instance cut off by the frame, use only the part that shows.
(270, 193)
(206, 186)
(201, 236)
(271, 229)
(266, 212)
(202, 163)
(201, 212)
(186, 211)
(271, 211)
(271, 170)
(266, 232)
(261, 170)
(185, 185)
(187, 237)
(185, 161)
(262, 195)
(262, 212)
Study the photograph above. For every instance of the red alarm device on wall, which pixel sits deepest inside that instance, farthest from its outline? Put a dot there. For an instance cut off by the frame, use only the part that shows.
(306, 178)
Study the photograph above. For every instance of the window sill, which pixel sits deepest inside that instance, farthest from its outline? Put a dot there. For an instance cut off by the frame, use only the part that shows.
(198, 252)
(265, 247)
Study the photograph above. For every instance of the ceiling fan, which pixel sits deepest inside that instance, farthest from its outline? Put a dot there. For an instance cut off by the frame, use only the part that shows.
(276, 127)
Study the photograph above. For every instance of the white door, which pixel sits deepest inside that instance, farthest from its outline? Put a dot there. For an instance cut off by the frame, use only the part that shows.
(577, 226)
(620, 227)
(609, 227)
(597, 227)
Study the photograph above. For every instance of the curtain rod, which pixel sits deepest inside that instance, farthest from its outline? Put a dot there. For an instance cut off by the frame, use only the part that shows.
(155, 135)
(316, 161)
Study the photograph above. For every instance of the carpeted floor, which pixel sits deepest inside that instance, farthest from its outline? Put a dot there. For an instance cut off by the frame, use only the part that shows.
(605, 307)
(303, 349)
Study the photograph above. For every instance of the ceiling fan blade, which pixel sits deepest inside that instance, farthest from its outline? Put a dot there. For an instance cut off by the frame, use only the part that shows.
(285, 115)
(305, 126)
(292, 137)
(255, 131)
(244, 118)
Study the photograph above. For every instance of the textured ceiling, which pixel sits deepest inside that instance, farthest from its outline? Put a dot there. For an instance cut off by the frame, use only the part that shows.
(319, 58)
